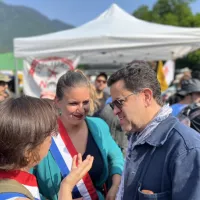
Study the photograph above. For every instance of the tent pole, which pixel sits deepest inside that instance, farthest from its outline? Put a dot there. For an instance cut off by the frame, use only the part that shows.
(16, 78)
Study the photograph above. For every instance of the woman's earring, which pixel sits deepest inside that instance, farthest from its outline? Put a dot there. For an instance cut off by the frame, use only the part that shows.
(59, 112)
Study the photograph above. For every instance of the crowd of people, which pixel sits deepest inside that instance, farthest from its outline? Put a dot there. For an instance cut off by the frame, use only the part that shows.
(83, 143)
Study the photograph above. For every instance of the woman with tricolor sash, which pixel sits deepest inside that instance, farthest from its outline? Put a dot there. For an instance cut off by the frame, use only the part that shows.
(79, 133)
(26, 127)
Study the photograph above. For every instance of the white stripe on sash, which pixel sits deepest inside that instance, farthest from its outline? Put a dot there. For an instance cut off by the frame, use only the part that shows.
(68, 161)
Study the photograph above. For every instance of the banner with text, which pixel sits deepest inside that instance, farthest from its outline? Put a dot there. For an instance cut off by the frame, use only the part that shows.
(42, 74)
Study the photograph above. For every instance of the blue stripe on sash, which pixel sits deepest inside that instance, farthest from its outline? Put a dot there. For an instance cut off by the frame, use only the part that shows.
(63, 167)
(8, 195)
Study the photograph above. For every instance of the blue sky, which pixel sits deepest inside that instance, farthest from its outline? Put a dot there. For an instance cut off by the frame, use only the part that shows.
(77, 12)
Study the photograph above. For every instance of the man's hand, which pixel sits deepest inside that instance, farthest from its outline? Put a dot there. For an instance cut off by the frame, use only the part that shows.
(147, 192)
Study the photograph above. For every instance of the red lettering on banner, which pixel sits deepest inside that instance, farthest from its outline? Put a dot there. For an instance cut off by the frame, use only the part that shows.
(52, 73)
(47, 69)
(43, 84)
(33, 66)
(31, 71)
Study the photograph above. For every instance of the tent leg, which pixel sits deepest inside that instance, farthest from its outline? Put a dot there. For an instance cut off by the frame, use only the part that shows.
(16, 78)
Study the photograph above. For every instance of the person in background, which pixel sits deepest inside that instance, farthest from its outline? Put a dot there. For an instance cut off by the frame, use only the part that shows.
(196, 74)
(109, 100)
(190, 116)
(178, 97)
(153, 65)
(113, 122)
(175, 98)
(26, 127)
(4, 92)
(163, 157)
(94, 102)
(190, 89)
(100, 85)
(79, 133)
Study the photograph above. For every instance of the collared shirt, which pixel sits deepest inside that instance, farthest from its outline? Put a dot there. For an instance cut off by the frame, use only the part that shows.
(140, 137)
(167, 163)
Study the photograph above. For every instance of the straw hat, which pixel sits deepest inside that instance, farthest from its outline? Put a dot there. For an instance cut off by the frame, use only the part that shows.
(4, 78)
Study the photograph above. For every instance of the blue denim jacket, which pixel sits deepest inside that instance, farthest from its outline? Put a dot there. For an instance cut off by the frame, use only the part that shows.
(167, 163)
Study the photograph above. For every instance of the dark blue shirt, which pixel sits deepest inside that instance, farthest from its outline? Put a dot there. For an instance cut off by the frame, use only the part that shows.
(93, 150)
(167, 163)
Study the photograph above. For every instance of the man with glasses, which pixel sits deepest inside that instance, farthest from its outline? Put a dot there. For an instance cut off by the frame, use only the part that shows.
(163, 158)
(100, 85)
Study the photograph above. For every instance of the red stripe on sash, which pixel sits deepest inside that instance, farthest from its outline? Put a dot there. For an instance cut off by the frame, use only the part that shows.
(86, 179)
(21, 176)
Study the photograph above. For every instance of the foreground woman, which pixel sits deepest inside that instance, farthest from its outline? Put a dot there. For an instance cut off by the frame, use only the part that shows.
(26, 127)
(80, 134)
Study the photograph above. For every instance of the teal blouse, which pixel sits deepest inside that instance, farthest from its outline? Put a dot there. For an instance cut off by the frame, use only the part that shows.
(48, 173)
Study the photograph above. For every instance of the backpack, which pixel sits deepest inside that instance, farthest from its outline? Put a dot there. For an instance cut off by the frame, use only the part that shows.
(9, 185)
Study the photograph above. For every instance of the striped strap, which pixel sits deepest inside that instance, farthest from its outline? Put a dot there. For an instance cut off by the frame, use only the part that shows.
(63, 150)
(20, 182)
(11, 195)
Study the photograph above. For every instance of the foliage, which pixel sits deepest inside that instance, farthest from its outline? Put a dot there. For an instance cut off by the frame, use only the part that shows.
(177, 13)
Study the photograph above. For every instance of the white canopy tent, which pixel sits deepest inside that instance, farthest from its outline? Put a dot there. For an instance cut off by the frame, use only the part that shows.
(113, 37)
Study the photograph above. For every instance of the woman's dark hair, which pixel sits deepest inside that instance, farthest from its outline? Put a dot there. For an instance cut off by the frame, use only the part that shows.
(175, 98)
(103, 74)
(69, 80)
(25, 123)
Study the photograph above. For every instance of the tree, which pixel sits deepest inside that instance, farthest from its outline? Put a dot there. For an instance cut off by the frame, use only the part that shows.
(143, 13)
(177, 13)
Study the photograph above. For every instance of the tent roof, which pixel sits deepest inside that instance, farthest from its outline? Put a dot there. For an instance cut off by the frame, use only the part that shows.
(114, 36)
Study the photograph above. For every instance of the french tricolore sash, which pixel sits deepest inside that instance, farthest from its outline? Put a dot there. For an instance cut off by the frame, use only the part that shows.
(27, 180)
(63, 151)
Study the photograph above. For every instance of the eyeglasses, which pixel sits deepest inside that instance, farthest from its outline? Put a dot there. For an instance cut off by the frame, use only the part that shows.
(101, 81)
(120, 102)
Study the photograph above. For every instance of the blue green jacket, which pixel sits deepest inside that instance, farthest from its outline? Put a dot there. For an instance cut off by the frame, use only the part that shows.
(48, 173)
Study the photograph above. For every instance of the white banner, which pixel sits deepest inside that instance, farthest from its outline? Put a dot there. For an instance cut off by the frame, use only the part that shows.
(42, 74)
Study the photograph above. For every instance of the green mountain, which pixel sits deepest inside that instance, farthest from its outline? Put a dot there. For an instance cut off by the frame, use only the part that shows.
(20, 21)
